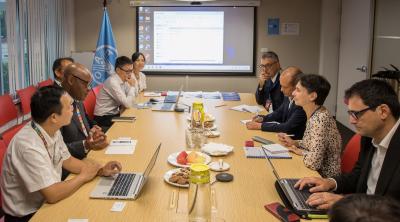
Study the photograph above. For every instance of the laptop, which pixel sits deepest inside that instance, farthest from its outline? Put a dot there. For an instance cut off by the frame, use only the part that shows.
(169, 104)
(292, 197)
(125, 185)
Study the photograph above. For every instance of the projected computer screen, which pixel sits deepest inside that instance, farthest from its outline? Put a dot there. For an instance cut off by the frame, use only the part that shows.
(196, 40)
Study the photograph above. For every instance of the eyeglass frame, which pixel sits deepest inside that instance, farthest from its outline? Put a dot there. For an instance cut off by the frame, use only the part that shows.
(127, 72)
(358, 114)
(88, 84)
(267, 66)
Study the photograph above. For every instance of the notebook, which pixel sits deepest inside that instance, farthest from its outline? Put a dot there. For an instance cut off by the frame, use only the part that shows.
(230, 96)
(275, 148)
(257, 152)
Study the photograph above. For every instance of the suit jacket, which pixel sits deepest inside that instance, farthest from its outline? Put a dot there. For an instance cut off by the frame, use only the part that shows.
(389, 179)
(73, 133)
(292, 121)
(270, 91)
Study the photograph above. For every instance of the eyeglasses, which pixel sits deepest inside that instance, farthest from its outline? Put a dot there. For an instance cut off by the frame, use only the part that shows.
(126, 71)
(87, 83)
(266, 66)
(358, 114)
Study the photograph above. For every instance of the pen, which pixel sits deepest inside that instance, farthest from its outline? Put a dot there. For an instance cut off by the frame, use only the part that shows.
(289, 135)
(317, 216)
(220, 105)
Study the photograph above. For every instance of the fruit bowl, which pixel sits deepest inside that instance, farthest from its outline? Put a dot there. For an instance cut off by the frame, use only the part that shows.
(191, 157)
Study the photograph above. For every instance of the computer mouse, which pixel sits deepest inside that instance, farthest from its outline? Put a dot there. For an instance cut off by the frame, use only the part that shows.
(152, 100)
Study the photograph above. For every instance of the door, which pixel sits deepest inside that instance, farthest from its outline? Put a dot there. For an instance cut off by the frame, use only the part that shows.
(355, 50)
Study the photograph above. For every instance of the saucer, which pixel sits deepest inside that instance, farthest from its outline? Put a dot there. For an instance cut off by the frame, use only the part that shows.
(215, 166)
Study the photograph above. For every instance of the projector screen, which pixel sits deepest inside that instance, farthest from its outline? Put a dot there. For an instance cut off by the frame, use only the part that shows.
(197, 40)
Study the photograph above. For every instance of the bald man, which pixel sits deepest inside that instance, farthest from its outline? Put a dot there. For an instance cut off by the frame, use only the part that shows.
(82, 134)
(288, 118)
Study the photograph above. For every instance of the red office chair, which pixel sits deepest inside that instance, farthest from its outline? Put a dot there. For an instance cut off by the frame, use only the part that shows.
(350, 153)
(10, 133)
(3, 149)
(89, 103)
(25, 98)
(48, 82)
(8, 111)
(96, 89)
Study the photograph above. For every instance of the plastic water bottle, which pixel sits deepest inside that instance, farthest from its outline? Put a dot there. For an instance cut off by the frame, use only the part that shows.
(199, 202)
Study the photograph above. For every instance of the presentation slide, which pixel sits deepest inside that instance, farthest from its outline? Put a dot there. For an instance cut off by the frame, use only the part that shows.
(196, 40)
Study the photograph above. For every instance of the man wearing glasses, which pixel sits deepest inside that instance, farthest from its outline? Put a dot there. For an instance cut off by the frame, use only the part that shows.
(117, 94)
(374, 110)
(82, 134)
(269, 88)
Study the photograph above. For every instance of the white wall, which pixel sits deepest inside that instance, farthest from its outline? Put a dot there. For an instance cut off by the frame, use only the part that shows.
(302, 50)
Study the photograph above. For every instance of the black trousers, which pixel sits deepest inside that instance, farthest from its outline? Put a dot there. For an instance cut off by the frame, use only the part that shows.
(105, 121)
(9, 218)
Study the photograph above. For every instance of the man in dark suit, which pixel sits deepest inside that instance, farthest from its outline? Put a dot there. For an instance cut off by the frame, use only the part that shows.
(288, 118)
(82, 134)
(59, 66)
(269, 88)
(374, 110)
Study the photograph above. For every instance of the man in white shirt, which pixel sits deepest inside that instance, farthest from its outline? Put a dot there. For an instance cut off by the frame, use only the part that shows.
(32, 165)
(374, 110)
(59, 65)
(117, 94)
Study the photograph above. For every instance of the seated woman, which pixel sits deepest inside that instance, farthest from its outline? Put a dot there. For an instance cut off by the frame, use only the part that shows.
(321, 143)
(139, 60)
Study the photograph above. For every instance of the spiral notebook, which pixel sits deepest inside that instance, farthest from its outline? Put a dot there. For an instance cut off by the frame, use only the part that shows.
(256, 152)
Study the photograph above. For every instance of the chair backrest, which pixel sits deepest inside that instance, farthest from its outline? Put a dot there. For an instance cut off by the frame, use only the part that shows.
(9, 134)
(89, 103)
(96, 89)
(350, 153)
(25, 98)
(44, 83)
(3, 149)
(8, 111)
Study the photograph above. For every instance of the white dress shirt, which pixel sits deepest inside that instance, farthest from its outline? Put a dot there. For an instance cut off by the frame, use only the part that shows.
(378, 158)
(115, 93)
(29, 167)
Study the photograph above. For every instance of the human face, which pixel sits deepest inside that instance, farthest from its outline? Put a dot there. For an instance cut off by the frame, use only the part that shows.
(301, 96)
(81, 86)
(286, 87)
(60, 71)
(269, 67)
(64, 118)
(125, 72)
(369, 123)
(139, 63)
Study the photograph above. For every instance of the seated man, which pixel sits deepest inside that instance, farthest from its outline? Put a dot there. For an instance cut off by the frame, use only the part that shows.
(288, 118)
(59, 66)
(362, 207)
(82, 134)
(269, 88)
(374, 110)
(32, 164)
(117, 94)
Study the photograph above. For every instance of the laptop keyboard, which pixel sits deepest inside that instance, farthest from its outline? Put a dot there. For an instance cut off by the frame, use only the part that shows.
(167, 106)
(122, 185)
(301, 195)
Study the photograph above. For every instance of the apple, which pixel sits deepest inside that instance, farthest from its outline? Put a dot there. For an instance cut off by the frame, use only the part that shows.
(181, 158)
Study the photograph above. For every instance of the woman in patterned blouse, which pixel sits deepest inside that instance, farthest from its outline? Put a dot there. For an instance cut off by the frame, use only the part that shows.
(321, 143)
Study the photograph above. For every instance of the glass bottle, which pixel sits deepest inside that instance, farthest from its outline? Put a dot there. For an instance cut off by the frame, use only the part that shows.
(199, 198)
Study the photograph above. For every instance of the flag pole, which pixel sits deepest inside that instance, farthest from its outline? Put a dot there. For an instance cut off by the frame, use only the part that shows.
(105, 3)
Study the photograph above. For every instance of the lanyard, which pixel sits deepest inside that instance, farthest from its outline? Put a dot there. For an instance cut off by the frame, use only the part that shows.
(78, 113)
(40, 134)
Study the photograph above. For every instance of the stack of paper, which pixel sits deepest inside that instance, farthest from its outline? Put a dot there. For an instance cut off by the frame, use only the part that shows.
(230, 96)
(121, 146)
(247, 108)
(257, 152)
(211, 95)
(275, 148)
(152, 94)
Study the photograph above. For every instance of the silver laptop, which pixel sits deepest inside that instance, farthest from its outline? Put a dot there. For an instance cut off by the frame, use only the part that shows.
(296, 198)
(125, 185)
(167, 106)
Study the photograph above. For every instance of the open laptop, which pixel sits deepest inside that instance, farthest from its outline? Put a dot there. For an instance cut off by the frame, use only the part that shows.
(292, 196)
(169, 104)
(125, 185)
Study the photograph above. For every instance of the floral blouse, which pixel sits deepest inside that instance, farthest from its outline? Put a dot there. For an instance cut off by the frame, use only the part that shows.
(321, 144)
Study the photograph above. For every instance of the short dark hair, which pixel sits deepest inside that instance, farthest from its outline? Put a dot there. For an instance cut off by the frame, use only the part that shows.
(270, 55)
(318, 84)
(46, 101)
(121, 61)
(57, 64)
(374, 92)
(136, 55)
(362, 207)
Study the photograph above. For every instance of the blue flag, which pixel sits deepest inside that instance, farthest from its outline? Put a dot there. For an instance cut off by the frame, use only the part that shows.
(106, 52)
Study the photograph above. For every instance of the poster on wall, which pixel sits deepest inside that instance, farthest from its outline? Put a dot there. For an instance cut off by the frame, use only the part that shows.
(273, 26)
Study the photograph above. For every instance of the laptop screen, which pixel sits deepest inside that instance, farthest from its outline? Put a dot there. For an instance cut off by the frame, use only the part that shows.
(270, 163)
(152, 162)
(179, 94)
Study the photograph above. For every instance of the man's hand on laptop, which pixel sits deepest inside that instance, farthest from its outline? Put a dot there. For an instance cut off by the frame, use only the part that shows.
(316, 184)
(110, 169)
(323, 200)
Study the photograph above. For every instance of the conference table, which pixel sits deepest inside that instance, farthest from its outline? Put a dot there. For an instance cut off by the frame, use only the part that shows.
(241, 200)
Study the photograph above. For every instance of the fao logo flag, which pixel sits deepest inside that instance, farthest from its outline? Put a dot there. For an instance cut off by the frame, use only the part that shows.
(106, 52)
